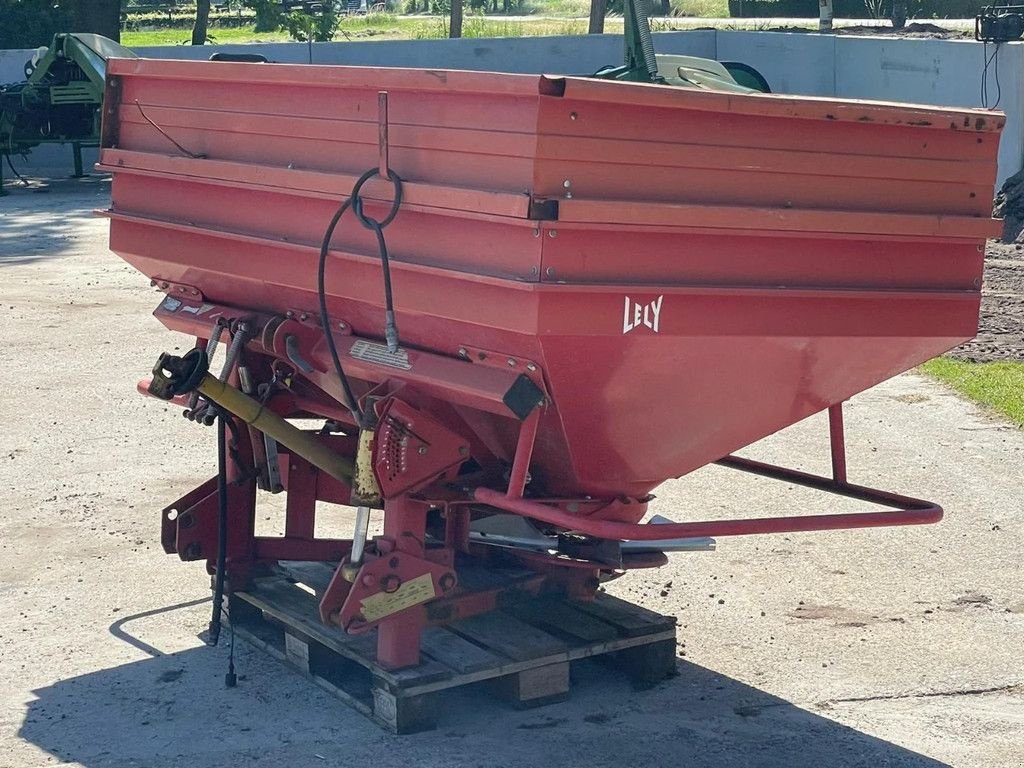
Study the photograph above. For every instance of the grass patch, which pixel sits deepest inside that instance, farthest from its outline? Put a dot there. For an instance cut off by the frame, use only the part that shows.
(568, 8)
(553, 17)
(708, 9)
(183, 36)
(999, 386)
(382, 26)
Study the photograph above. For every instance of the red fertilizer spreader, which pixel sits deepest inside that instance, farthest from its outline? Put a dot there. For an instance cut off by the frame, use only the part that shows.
(542, 298)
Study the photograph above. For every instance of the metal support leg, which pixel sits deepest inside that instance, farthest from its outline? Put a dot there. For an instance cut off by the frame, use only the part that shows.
(241, 518)
(76, 151)
(519, 474)
(838, 442)
(398, 638)
(300, 505)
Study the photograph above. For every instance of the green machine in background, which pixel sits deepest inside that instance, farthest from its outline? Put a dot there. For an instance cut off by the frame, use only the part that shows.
(642, 65)
(60, 100)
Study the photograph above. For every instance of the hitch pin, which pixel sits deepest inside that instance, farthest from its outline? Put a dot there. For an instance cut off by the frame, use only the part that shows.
(211, 349)
(383, 162)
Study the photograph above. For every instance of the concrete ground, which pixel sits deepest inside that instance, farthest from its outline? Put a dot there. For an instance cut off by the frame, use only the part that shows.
(898, 647)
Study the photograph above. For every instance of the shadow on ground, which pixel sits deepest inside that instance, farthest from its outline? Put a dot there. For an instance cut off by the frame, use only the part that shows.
(173, 709)
(45, 219)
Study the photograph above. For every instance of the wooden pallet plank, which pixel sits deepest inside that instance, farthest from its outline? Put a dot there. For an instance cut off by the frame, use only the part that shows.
(564, 617)
(457, 652)
(536, 687)
(531, 660)
(630, 620)
(429, 670)
(298, 610)
(647, 665)
(572, 654)
(404, 714)
(316, 576)
(297, 651)
(477, 578)
(508, 635)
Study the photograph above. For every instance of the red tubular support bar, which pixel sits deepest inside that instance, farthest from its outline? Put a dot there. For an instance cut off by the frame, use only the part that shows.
(911, 511)
(524, 452)
(837, 442)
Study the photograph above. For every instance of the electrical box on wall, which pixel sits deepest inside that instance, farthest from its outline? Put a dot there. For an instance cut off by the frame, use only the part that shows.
(999, 24)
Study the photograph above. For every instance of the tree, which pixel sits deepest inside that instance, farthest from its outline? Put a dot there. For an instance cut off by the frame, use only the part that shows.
(102, 17)
(598, 9)
(32, 23)
(455, 25)
(199, 29)
(899, 14)
(269, 14)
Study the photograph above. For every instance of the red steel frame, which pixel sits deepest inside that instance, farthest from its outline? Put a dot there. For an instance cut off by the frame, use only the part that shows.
(405, 531)
(909, 511)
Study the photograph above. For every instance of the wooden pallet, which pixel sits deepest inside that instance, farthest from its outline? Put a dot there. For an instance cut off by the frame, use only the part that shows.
(526, 649)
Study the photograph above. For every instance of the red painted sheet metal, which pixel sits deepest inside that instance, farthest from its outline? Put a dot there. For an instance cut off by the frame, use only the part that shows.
(457, 128)
(285, 77)
(509, 135)
(611, 254)
(781, 105)
(668, 151)
(499, 246)
(796, 251)
(329, 186)
(724, 369)
(245, 271)
(768, 220)
(681, 151)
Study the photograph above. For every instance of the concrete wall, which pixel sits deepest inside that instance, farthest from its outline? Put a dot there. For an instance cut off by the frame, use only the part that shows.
(942, 72)
(578, 54)
(791, 62)
(920, 71)
(946, 72)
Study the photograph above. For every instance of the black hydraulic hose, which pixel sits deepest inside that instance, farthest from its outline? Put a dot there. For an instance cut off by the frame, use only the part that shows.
(390, 330)
(222, 527)
(355, 202)
(642, 13)
(14, 170)
(325, 320)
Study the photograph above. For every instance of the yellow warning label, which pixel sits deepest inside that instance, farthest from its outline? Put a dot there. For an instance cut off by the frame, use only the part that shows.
(412, 592)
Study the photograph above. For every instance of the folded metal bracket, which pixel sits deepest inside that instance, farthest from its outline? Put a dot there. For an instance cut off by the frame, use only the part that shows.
(543, 210)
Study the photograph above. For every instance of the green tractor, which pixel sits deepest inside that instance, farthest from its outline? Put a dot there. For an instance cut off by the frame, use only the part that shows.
(60, 100)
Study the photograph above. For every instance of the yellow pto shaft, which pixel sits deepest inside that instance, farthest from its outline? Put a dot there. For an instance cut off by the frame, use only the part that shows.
(173, 376)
